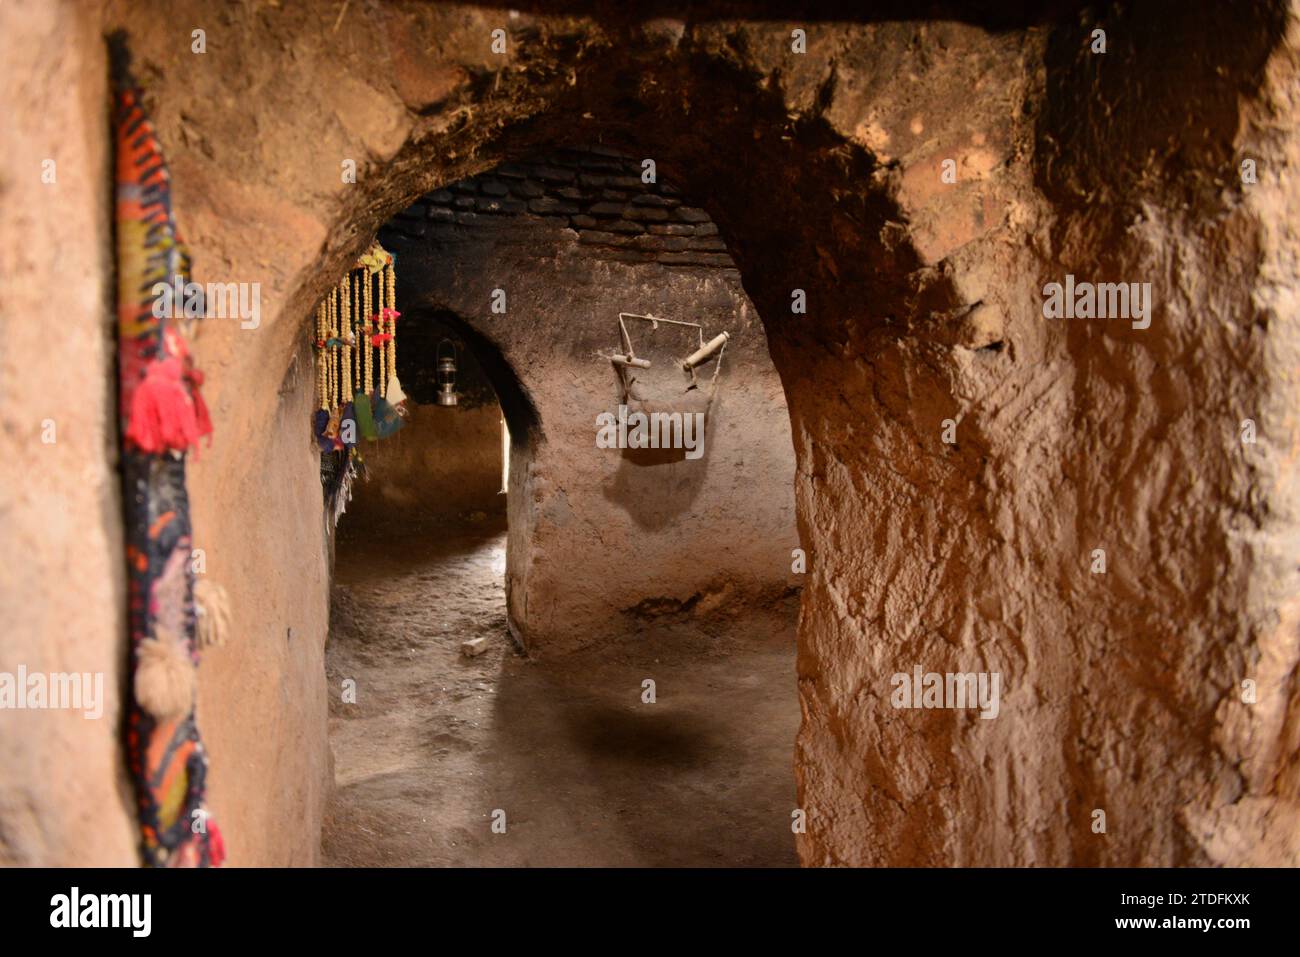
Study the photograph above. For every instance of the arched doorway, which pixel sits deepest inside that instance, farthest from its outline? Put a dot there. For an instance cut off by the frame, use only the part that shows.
(651, 599)
(823, 171)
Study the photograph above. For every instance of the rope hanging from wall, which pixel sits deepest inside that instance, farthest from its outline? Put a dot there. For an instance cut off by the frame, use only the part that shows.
(163, 417)
(358, 393)
(627, 360)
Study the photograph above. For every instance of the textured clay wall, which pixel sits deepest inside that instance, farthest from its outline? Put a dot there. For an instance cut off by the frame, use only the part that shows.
(823, 172)
(444, 465)
(256, 498)
(1122, 691)
(602, 540)
(64, 794)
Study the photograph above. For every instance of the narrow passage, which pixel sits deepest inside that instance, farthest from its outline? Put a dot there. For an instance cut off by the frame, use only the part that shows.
(586, 773)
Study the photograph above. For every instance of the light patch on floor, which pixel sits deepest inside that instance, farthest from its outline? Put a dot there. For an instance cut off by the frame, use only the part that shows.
(586, 773)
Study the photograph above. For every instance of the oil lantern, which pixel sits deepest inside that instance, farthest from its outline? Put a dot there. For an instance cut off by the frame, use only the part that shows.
(447, 394)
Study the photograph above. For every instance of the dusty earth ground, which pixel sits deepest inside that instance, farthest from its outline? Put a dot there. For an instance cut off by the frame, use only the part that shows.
(587, 774)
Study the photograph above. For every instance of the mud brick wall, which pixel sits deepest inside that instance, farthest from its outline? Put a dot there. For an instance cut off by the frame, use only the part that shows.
(595, 192)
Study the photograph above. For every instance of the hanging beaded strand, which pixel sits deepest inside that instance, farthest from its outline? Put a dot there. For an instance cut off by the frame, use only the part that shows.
(325, 355)
(334, 345)
(336, 353)
(359, 332)
(329, 372)
(320, 355)
(378, 318)
(364, 280)
(354, 351)
(390, 310)
(345, 333)
(333, 350)
(341, 335)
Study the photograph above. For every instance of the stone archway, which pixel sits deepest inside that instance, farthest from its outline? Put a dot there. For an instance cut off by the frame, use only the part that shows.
(826, 174)
(537, 260)
(831, 270)
(652, 594)
(911, 287)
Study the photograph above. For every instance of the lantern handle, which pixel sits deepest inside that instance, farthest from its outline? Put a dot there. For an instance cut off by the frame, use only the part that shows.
(438, 351)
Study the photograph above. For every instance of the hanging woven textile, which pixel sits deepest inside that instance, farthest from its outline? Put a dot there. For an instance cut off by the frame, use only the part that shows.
(358, 394)
(163, 417)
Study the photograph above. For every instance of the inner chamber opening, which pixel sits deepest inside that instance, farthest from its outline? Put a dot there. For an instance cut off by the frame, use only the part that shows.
(596, 667)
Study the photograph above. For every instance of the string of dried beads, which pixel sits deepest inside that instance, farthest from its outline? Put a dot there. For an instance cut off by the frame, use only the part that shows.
(334, 355)
(378, 328)
(365, 312)
(390, 307)
(354, 347)
(345, 333)
(358, 343)
(333, 350)
(320, 355)
(325, 354)
(338, 346)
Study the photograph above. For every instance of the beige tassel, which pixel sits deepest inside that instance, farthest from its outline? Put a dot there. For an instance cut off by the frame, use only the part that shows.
(164, 677)
(393, 393)
(212, 609)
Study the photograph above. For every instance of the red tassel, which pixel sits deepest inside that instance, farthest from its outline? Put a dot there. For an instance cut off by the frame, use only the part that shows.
(162, 413)
(216, 845)
(201, 417)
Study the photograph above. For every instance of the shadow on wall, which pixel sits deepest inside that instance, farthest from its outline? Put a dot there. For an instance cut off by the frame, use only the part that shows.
(673, 410)
(657, 487)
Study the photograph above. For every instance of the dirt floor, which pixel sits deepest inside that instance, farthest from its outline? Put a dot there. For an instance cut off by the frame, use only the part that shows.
(586, 773)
